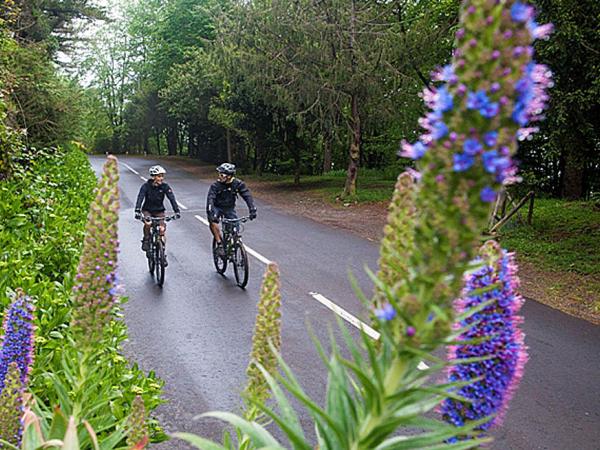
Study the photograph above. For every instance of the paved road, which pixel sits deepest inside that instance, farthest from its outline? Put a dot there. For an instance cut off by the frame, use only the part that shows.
(196, 332)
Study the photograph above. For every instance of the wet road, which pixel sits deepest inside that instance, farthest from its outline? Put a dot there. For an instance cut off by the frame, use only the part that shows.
(196, 331)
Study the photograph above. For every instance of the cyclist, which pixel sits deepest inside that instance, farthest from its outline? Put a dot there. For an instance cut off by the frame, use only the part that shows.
(221, 199)
(150, 201)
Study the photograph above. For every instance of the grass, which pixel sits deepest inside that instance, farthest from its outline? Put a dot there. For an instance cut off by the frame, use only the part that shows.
(372, 185)
(564, 236)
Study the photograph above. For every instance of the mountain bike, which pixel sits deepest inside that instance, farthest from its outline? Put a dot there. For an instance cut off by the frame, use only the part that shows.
(233, 249)
(156, 254)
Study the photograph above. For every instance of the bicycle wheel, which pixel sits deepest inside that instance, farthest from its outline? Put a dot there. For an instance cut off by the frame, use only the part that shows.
(240, 264)
(151, 264)
(159, 257)
(220, 261)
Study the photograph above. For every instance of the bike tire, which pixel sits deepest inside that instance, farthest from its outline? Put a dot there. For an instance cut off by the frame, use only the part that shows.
(220, 262)
(151, 264)
(240, 264)
(160, 263)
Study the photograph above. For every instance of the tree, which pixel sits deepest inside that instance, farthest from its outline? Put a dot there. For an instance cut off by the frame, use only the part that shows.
(564, 158)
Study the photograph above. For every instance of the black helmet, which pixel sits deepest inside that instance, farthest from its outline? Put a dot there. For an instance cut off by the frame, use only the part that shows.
(226, 168)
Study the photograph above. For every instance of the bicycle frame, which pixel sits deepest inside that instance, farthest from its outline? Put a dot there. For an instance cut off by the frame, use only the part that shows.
(156, 252)
(231, 232)
(234, 251)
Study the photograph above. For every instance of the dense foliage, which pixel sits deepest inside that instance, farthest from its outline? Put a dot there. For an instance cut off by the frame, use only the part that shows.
(44, 210)
(303, 87)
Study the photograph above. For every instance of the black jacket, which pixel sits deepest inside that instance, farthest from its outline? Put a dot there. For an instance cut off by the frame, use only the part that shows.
(224, 195)
(153, 197)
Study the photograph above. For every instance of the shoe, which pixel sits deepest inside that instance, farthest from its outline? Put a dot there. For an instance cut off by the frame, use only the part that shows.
(145, 245)
(166, 261)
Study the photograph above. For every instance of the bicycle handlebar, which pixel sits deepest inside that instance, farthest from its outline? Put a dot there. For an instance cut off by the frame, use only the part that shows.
(158, 219)
(239, 219)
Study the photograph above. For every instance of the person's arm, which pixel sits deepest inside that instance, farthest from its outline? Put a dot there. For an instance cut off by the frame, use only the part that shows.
(171, 196)
(247, 196)
(141, 196)
(210, 200)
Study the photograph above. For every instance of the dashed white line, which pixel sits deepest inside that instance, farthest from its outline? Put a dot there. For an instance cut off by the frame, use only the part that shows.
(202, 219)
(144, 178)
(130, 168)
(345, 315)
(181, 205)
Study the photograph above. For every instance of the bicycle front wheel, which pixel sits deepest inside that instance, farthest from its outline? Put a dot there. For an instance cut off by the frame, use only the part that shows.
(159, 258)
(151, 263)
(240, 264)
(220, 261)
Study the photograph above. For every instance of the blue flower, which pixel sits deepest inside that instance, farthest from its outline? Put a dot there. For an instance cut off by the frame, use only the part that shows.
(490, 138)
(462, 162)
(444, 100)
(439, 130)
(487, 194)
(477, 100)
(520, 12)
(413, 151)
(386, 312)
(489, 161)
(472, 147)
(489, 110)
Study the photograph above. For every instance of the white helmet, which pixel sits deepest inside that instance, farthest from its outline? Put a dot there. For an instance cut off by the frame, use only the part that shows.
(157, 170)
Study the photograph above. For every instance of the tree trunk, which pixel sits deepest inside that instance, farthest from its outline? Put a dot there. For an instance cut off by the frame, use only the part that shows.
(229, 145)
(297, 164)
(350, 187)
(573, 171)
(327, 157)
(158, 142)
(172, 139)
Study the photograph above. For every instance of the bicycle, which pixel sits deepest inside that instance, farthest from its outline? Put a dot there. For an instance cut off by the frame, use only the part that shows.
(156, 252)
(233, 249)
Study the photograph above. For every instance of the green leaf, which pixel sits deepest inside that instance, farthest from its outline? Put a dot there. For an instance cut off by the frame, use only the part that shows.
(199, 442)
(259, 436)
(71, 442)
(288, 421)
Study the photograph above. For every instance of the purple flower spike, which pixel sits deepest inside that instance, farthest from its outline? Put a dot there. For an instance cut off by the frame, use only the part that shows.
(385, 313)
(500, 322)
(18, 339)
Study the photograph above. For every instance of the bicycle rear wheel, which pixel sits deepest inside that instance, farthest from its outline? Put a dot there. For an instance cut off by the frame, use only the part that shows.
(240, 264)
(159, 257)
(220, 261)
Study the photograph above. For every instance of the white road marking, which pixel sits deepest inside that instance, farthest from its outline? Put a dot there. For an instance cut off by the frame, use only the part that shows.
(181, 205)
(353, 320)
(144, 178)
(345, 315)
(202, 219)
(130, 168)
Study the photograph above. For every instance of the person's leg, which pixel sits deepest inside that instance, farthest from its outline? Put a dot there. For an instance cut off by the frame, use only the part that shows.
(162, 226)
(214, 224)
(146, 238)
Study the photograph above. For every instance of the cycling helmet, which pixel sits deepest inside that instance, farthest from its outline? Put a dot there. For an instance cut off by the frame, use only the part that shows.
(226, 168)
(157, 170)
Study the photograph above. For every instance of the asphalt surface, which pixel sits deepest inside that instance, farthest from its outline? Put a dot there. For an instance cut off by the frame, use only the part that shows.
(196, 332)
